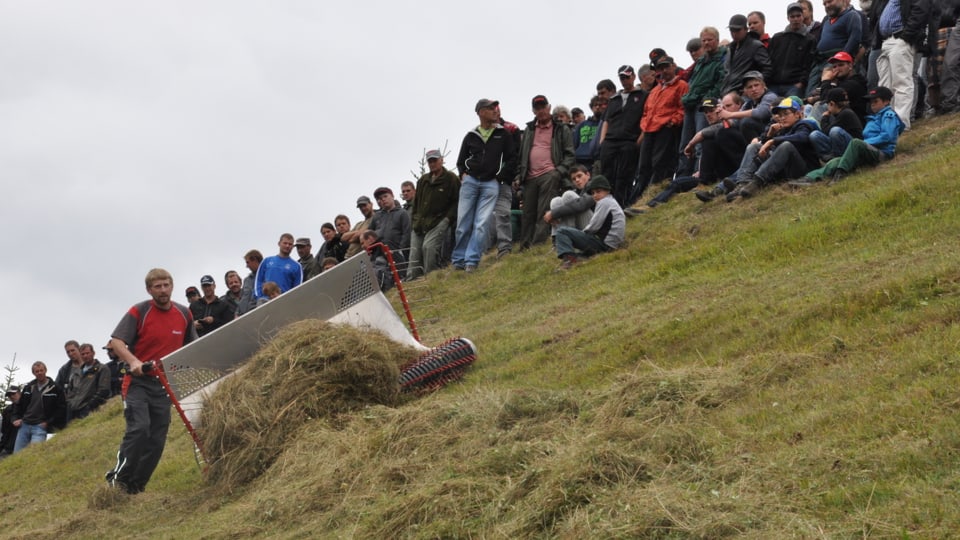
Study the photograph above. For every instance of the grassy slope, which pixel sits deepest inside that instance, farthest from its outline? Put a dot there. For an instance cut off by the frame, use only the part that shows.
(784, 366)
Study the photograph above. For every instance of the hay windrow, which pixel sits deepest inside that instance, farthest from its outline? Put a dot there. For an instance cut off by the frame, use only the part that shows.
(312, 369)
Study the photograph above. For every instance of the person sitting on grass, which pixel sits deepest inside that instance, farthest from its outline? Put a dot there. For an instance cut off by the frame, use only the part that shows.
(575, 207)
(715, 163)
(838, 126)
(879, 142)
(605, 232)
(784, 152)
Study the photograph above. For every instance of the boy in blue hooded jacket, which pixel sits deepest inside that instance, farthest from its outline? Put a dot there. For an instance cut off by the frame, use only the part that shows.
(879, 141)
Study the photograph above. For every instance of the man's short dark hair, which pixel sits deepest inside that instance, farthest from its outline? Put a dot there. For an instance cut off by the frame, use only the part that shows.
(607, 85)
(407, 183)
(254, 254)
(73, 342)
(763, 18)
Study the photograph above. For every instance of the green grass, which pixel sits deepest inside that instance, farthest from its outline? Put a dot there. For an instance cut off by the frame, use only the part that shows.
(780, 367)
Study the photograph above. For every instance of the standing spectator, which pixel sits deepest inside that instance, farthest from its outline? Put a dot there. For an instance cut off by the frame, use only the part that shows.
(116, 370)
(41, 409)
(950, 74)
(308, 264)
(620, 135)
(661, 125)
(949, 12)
(193, 294)
(280, 269)
(578, 115)
(792, 54)
(353, 237)
(586, 135)
(757, 23)
(745, 53)
(234, 291)
(434, 209)
(841, 31)
(899, 30)
(408, 192)
(8, 431)
(501, 224)
(248, 299)
(209, 312)
(392, 224)
(333, 244)
(704, 83)
(72, 348)
(487, 159)
(812, 26)
(90, 388)
(148, 331)
(546, 155)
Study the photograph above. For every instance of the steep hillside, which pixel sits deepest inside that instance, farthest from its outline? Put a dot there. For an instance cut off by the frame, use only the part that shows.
(780, 367)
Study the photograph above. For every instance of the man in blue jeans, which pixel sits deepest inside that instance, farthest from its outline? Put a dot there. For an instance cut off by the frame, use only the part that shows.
(41, 408)
(488, 158)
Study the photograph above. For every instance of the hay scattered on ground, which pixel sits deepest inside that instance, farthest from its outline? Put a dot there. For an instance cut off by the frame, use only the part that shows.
(312, 369)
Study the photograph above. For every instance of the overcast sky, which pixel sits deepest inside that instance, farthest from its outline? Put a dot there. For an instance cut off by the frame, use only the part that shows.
(181, 134)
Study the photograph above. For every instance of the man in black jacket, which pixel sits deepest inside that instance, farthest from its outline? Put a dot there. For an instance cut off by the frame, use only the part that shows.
(620, 135)
(745, 53)
(488, 158)
(41, 408)
(792, 53)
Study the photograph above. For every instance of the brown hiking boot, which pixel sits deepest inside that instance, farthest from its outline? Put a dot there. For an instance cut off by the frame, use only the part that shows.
(568, 262)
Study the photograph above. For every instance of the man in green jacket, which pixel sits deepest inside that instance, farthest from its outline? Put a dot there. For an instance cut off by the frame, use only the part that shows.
(434, 209)
(705, 82)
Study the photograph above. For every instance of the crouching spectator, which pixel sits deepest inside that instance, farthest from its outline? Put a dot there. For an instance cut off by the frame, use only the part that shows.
(605, 232)
(879, 141)
(575, 207)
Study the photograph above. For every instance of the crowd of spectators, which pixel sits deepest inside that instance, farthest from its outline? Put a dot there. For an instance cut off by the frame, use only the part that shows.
(812, 102)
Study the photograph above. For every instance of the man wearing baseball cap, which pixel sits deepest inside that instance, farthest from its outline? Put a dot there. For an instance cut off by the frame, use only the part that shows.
(744, 53)
(840, 74)
(546, 156)
(365, 205)
(487, 159)
(433, 213)
(209, 312)
(879, 142)
(792, 54)
(785, 151)
(841, 31)
(620, 135)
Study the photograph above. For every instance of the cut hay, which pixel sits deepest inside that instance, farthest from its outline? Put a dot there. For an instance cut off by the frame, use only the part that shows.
(312, 369)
